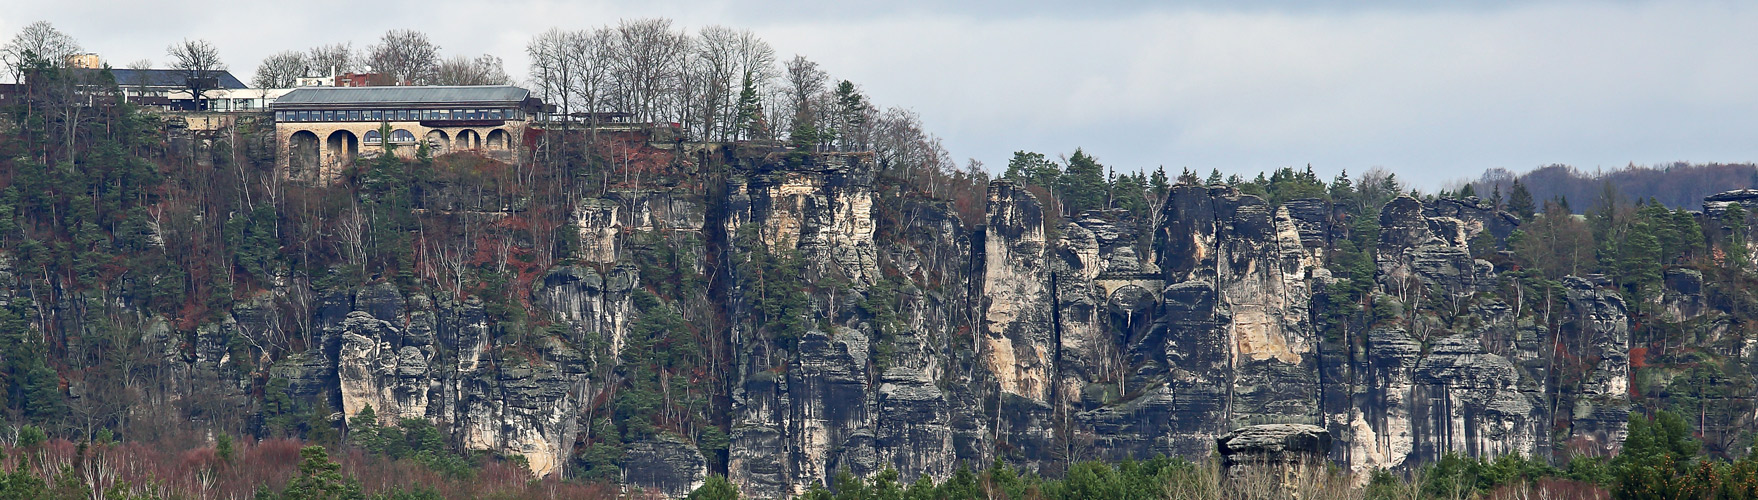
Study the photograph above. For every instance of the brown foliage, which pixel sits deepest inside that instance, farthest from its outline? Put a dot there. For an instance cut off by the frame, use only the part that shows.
(202, 473)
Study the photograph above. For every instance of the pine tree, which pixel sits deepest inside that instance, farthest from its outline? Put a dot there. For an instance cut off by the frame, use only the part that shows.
(1160, 184)
(1082, 186)
(750, 111)
(1033, 169)
(1215, 177)
(717, 488)
(320, 479)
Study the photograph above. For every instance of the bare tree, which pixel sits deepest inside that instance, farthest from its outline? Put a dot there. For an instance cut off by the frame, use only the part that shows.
(460, 70)
(280, 71)
(805, 86)
(715, 67)
(330, 60)
(405, 57)
(199, 63)
(647, 58)
(757, 70)
(38, 42)
(591, 54)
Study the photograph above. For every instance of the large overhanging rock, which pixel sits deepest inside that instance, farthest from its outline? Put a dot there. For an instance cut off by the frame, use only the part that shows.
(1274, 445)
(1272, 460)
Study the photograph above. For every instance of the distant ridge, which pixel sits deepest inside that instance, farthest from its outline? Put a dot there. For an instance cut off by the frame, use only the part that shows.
(1679, 185)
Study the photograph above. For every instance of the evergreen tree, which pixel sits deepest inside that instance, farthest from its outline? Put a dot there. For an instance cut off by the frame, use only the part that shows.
(851, 112)
(1130, 192)
(320, 479)
(1734, 247)
(1033, 169)
(749, 123)
(1159, 184)
(1215, 177)
(716, 488)
(1082, 186)
(1342, 190)
(1520, 202)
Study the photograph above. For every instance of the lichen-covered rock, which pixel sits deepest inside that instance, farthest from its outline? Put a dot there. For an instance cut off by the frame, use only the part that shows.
(1272, 445)
(1597, 330)
(599, 225)
(1017, 339)
(666, 465)
(1416, 250)
(1682, 298)
(594, 304)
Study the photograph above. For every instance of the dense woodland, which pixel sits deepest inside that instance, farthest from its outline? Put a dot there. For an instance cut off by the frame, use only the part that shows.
(122, 233)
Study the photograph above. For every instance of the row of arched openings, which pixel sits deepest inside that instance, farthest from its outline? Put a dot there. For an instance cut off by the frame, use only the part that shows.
(304, 147)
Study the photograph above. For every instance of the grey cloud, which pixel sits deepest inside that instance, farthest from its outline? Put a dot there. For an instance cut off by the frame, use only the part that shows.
(1434, 90)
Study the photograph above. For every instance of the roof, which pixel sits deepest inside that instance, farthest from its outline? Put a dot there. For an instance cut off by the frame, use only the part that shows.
(412, 95)
(168, 78)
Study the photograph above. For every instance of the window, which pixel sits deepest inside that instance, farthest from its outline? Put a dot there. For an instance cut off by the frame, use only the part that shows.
(280, 116)
(400, 135)
(354, 115)
(378, 115)
(402, 115)
(457, 114)
(329, 116)
(493, 114)
(372, 137)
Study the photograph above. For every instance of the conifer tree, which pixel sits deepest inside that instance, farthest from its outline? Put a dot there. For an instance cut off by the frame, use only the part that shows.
(1083, 184)
(1520, 202)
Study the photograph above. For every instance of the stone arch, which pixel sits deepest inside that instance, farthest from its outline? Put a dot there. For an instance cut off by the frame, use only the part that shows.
(302, 155)
(1130, 307)
(401, 136)
(498, 139)
(371, 137)
(469, 139)
(341, 147)
(439, 142)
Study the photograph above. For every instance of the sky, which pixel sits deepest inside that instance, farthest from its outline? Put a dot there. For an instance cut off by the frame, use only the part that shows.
(1434, 91)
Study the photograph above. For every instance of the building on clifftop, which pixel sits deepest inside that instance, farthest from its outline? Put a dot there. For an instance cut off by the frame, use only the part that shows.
(320, 130)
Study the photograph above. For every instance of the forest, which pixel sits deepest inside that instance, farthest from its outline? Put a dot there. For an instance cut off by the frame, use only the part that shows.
(173, 309)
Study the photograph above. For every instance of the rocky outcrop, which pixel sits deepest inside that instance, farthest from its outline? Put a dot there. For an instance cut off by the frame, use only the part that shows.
(1272, 446)
(667, 465)
(1597, 334)
(1417, 251)
(923, 342)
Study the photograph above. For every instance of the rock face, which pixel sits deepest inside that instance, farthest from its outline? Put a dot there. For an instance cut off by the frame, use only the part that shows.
(1272, 446)
(921, 340)
(417, 359)
(832, 401)
(1597, 332)
(669, 466)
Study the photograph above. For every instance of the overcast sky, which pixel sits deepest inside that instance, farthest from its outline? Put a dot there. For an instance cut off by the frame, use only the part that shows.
(1433, 90)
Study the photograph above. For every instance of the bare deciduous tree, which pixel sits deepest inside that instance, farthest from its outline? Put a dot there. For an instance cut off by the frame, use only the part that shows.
(38, 41)
(805, 86)
(715, 67)
(280, 71)
(330, 60)
(460, 70)
(199, 64)
(404, 57)
(647, 55)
